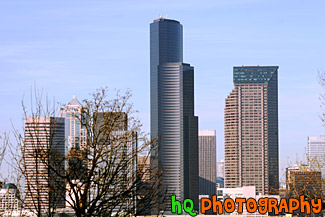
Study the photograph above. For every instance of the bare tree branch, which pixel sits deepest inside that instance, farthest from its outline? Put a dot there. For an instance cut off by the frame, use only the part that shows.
(98, 174)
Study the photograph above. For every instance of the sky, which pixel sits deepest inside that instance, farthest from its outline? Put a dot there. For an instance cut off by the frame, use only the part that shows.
(68, 48)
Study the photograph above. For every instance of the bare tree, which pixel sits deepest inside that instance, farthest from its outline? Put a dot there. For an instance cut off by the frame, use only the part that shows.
(318, 162)
(321, 80)
(39, 148)
(98, 174)
(3, 147)
(4, 140)
(10, 200)
(304, 180)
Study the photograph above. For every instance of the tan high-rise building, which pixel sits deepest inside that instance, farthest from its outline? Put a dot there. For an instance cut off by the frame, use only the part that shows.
(43, 160)
(207, 162)
(251, 130)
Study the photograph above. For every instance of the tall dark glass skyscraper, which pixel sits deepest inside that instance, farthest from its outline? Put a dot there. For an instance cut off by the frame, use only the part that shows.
(172, 110)
(251, 130)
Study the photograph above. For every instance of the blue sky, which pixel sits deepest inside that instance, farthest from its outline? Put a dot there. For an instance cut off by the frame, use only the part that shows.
(73, 47)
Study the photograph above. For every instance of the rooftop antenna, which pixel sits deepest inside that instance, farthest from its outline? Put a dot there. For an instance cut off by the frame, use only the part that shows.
(297, 158)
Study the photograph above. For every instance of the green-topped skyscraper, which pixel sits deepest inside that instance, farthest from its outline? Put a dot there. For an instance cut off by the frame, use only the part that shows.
(251, 129)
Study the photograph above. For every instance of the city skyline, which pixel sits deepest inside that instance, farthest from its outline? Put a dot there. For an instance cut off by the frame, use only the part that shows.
(35, 52)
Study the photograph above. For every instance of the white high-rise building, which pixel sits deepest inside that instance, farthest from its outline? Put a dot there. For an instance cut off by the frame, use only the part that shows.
(75, 143)
(75, 133)
(316, 153)
(221, 169)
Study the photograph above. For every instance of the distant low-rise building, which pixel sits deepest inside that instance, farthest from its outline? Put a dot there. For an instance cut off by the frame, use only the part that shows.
(303, 180)
(143, 168)
(143, 190)
(221, 169)
(9, 199)
(243, 192)
(220, 182)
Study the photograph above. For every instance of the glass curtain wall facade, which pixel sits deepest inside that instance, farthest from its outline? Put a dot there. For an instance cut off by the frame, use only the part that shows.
(75, 140)
(75, 133)
(172, 111)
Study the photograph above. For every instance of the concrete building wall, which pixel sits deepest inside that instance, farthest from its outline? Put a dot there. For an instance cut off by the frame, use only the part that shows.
(207, 162)
(43, 145)
(251, 130)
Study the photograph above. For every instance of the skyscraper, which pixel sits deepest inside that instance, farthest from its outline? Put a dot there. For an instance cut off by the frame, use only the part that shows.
(316, 153)
(251, 129)
(44, 149)
(115, 138)
(75, 146)
(75, 132)
(172, 110)
(221, 169)
(207, 162)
